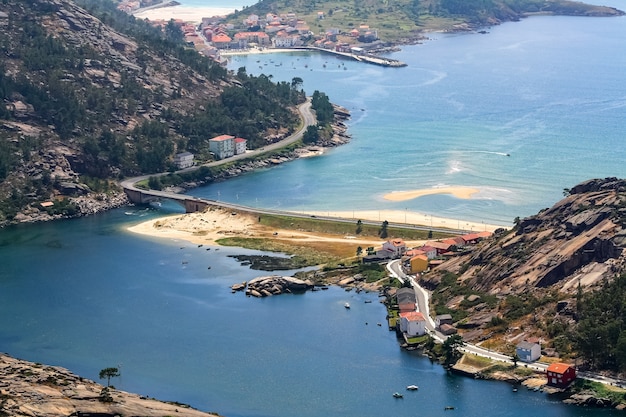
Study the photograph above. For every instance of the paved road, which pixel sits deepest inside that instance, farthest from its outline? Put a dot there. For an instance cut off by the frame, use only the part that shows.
(422, 296)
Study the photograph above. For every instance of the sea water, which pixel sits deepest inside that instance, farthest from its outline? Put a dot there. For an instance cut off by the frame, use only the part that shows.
(86, 294)
(521, 114)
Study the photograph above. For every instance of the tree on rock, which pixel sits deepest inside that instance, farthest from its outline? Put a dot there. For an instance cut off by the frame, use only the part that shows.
(109, 373)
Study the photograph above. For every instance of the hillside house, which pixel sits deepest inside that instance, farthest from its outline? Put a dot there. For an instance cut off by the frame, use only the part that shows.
(412, 323)
(183, 160)
(440, 247)
(447, 329)
(443, 319)
(222, 146)
(528, 351)
(560, 374)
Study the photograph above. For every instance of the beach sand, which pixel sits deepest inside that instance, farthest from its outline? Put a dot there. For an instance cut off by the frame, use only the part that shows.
(217, 223)
(458, 192)
(207, 227)
(186, 14)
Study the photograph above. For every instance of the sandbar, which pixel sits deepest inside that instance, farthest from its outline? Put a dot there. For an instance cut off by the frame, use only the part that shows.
(458, 192)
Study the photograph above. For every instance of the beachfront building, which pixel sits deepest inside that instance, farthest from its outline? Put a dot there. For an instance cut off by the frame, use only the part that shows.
(560, 374)
(222, 146)
(243, 39)
(528, 351)
(412, 323)
(183, 160)
(282, 39)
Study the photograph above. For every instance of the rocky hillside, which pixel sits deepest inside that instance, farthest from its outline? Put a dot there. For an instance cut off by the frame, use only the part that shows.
(29, 389)
(523, 280)
(93, 96)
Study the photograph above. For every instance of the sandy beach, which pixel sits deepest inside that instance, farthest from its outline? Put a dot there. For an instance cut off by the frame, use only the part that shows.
(205, 228)
(184, 13)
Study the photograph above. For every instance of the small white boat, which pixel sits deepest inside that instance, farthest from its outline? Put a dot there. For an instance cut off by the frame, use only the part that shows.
(412, 387)
(347, 305)
(397, 395)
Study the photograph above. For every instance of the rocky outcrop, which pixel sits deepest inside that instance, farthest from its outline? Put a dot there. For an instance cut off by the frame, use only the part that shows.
(580, 240)
(584, 228)
(275, 285)
(29, 389)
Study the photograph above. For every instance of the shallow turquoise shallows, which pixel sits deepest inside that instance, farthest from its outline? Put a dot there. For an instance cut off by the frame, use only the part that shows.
(85, 294)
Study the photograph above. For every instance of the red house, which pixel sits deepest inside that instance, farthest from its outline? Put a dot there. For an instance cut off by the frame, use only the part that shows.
(560, 374)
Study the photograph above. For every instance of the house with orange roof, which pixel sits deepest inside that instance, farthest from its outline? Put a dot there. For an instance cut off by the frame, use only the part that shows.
(221, 41)
(240, 146)
(560, 374)
(222, 146)
(397, 247)
(440, 246)
(412, 323)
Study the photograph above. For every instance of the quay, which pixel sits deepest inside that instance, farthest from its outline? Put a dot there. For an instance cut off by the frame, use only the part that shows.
(361, 57)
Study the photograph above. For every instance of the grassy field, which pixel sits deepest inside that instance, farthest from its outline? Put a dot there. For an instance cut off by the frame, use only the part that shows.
(345, 229)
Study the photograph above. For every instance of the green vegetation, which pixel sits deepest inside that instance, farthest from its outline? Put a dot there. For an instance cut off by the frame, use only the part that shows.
(112, 116)
(600, 334)
(450, 287)
(402, 19)
(615, 395)
(108, 373)
(313, 224)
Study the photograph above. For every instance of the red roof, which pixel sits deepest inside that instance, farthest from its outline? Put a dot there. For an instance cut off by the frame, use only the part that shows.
(239, 140)
(413, 316)
(222, 138)
(558, 367)
(221, 38)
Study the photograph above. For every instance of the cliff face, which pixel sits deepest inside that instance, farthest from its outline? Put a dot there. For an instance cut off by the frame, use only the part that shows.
(578, 241)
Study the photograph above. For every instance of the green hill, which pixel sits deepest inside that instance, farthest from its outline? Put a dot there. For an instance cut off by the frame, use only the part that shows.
(405, 20)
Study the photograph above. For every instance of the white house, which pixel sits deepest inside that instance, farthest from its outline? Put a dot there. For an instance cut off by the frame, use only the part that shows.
(222, 146)
(528, 351)
(240, 146)
(397, 247)
(412, 323)
(183, 160)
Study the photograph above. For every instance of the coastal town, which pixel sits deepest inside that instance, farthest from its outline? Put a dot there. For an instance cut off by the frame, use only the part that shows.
(215, 38)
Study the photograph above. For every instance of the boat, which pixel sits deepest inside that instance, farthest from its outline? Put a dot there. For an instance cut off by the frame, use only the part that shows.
(448, 407)
(347, 305)
(397, 395)
(368, 301)
(412, 387)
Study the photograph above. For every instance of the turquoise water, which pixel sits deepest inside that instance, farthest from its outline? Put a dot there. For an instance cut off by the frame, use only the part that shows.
(549, 91)
(86, 295)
